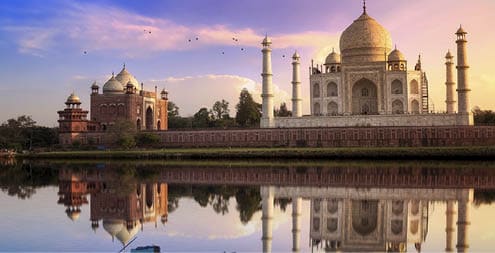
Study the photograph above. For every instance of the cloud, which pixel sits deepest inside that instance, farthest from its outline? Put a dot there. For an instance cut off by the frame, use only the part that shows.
(191, 93)
(95, 28)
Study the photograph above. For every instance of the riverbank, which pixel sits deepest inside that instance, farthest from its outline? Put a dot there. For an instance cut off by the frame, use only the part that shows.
(387, 153)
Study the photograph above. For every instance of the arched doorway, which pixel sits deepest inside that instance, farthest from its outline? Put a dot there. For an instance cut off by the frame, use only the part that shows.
(316, 109)
(149, 118)
(397, 107)
(158, 126)
(415, 106)
(364, 97)
(332, 108)
(138, 124)
(364, 216)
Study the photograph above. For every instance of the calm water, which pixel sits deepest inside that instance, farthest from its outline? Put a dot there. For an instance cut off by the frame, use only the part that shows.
(247, 206)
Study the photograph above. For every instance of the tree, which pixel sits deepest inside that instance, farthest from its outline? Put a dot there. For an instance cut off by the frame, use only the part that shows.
(173, 109)
(147, 139)
(201, 119)
(483, 117)
(248, 112)
(122, 133)
(22, 133)
(283, 111)
(220, 110)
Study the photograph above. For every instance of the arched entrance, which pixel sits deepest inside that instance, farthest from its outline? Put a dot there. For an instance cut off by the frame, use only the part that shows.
(138, 124)
(332, 108)
(415, 106)
(397, 107)
(364, 216)
(364, 97)
(149, 118)
(158, 125)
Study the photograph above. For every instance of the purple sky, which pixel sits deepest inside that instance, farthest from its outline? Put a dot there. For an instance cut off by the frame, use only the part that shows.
(43, 44)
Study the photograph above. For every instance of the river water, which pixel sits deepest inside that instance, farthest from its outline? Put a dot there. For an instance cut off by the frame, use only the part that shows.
(247, 206)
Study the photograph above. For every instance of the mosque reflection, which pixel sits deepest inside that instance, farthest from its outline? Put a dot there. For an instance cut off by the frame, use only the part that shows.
(121, 208)
(342, 217)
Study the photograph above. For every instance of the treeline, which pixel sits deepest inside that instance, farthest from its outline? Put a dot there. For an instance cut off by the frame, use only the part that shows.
(483, 117)
(22, 133)
(248, 114)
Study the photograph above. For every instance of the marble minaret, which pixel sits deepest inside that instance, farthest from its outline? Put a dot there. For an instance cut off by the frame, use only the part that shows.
(267, 85)
(296, 86)
(449, 83)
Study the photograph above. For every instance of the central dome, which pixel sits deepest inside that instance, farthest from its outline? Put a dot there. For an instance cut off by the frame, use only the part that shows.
(124, 77)
(365, 40)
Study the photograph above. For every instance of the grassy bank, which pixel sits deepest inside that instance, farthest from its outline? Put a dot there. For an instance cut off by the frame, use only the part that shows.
(403, 153)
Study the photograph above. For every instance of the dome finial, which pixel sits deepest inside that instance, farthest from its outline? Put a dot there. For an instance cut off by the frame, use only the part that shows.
(113, 74)
(364, 6)
(124, 66)
(395, 46)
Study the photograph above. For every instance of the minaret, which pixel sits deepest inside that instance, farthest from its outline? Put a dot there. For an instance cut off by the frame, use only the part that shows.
(449, 226)
(463, 219)
(462, 72)
(296, 86)
(449, 83)
(267, 86)
(267, 199)
(296, 223)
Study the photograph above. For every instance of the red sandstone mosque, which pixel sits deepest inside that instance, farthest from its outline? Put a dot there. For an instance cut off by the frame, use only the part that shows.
(123, 98)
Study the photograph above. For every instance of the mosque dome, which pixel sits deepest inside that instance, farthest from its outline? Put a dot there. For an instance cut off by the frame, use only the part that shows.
(113, 227)
(332, 58)
(73, 99)
(449, 55)
(73, 214)
(126, 234)
(396, 55)
(365, 40)
(113, 86)
(124, 77)
(94, 86)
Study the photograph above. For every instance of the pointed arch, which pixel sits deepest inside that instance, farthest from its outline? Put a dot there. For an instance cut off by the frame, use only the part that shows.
(397, 107)
(414, 87)
(316, 90)
(149, 118)
(396, 87)
(332, 90)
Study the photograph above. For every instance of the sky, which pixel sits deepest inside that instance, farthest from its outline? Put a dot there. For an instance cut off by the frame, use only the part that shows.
(43, 45)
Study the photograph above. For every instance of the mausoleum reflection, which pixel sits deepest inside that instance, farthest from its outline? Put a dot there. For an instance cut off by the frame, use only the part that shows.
(348, 219)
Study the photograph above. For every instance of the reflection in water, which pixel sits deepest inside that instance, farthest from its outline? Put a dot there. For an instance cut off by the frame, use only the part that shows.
(368, 219)
(122, 212)
(346, 212)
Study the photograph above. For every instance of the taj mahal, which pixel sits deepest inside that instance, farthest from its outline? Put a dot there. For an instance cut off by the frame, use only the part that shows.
(368, 84)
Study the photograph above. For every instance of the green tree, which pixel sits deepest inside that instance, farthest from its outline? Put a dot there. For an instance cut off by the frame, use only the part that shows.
(220, 110)
(248, 112)
(282, 111)
(22, 133)
(483, 117)
(122, 133)
(173, 109)
(201, 119)
(147, 139)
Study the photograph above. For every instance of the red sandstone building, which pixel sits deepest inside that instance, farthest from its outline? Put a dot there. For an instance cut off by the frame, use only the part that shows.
(122, 99)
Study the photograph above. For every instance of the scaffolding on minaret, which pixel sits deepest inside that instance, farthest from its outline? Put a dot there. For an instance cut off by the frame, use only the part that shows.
(424, 93)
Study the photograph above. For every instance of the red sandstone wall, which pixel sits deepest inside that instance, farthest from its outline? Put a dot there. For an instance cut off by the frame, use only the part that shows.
(333, 137)
(322, 137)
